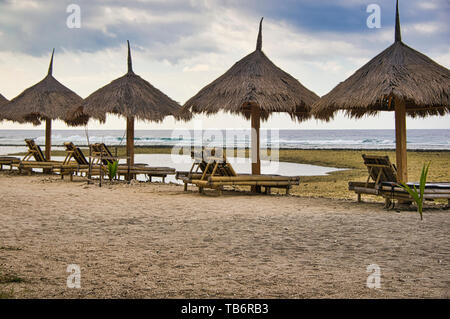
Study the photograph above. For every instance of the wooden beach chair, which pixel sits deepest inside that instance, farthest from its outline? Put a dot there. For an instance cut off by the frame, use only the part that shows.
(101, 153)
(380, 170)
(211, 169)
(203, 166)
(75, 162)
(382, 181)
(74, 152)
(34, 151)
(433, 191)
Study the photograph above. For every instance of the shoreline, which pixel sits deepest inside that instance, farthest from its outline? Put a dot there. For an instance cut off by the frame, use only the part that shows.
(334, 185)
(246, 148)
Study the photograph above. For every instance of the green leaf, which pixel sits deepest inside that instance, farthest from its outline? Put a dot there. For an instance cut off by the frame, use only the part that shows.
(411, 192)
(112, 169)
(418, 195)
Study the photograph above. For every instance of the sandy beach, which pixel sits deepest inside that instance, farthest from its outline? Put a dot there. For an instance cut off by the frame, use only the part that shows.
(253, 150)
(156, 241)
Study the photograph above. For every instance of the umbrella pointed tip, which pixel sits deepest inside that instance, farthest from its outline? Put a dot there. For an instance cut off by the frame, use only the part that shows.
(259, 41)
(398, 33)
(50, 68)
(130, 65)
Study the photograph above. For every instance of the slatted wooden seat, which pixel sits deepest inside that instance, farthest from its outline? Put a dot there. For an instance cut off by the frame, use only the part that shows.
(34, 151)
(382, 181)
(203, 166)
(74, 152)
(8, 161)
(75, 162)
(211, 169)
(101, 153)
(380, 170)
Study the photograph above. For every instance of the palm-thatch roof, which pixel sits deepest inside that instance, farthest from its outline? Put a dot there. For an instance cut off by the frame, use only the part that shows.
(48, 99)
(397, 72)
(130, 96)
(254, 80)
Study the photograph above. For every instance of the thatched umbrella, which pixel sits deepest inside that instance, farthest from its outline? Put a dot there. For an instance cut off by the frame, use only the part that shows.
(132, 97)
(45, 101)
(256, 88)
(399, 79)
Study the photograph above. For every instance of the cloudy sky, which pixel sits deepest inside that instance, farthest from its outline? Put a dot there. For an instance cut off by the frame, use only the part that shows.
(181, 45)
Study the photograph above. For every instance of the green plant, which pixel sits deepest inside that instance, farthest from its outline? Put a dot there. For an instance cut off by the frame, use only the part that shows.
(112, 170)
(417, 195)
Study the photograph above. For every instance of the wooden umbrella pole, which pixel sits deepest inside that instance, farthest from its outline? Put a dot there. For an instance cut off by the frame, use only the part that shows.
(400, 140)
(48, 144)
(48, 139)
(130, 142)
(256, 160)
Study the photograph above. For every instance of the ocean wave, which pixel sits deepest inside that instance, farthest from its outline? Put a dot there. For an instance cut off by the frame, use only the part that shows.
(352, 139)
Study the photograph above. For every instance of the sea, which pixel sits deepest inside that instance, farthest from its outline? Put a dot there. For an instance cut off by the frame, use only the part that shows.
(438, 139)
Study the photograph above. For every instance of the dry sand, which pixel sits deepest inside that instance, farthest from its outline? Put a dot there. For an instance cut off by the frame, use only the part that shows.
(155, 241)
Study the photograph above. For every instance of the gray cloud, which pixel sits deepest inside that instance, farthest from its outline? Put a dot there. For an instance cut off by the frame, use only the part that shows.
(34, 27)
(175, 29)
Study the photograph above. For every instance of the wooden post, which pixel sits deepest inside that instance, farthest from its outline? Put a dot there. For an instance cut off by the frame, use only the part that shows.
(130, 142)
(90, 163)
(48, 139)
(101, 169)
(400, 140)
(256, 161)
(48, 143)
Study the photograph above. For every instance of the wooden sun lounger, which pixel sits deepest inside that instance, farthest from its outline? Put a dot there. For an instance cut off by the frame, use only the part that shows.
(75, 162)
(212, 170)
(34, 151)
(432, 191)
(382, 181)
(74, 152)
(101, 153)
(380, 170)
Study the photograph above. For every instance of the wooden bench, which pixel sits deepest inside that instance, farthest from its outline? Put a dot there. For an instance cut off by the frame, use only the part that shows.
(101, 153)
(382, 181)
(211, 169)
(34, 151)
